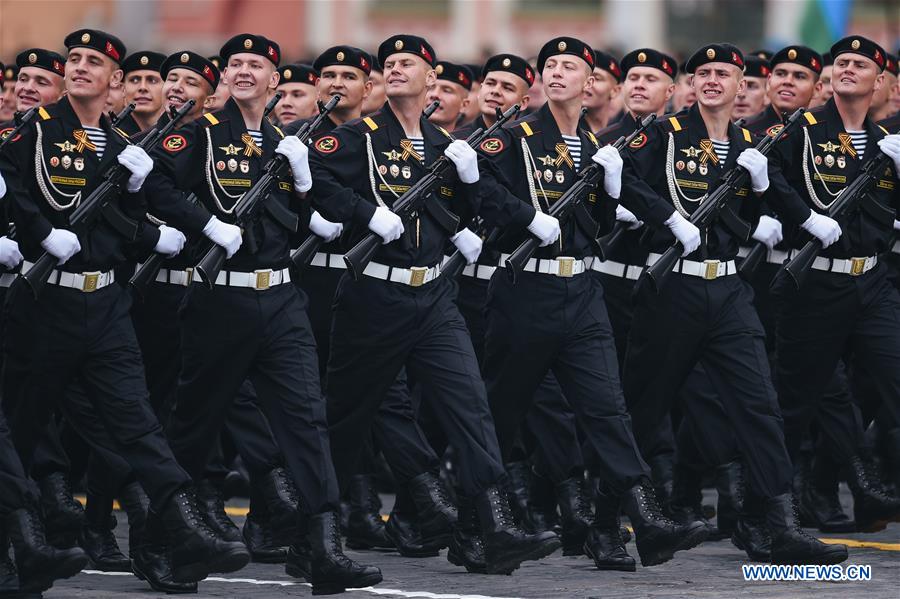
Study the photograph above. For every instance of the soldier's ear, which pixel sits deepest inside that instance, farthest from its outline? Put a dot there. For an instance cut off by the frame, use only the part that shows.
(116, 77)
(430, 78)
(276, 77)
(523, 103)
(367, 88)
(879, 81)
(742, 85)
(616, 90)
(670, 91)
(589, 82)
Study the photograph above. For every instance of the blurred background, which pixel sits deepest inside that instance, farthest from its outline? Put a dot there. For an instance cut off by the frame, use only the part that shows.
(459, 30)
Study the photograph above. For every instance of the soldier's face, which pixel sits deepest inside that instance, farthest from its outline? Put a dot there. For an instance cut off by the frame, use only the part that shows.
(855, 76)
(298, 102)
(350, 83)
(471, 110)
(601, 91)
(377, 95)
(217, 100)
(407, 75)
(501, 89)
(566, 77)
(751, 100)
(453, 99)
(250, 77)
(182, 85)
(717, 83)
(647, 90)
(792, 86)
(825, 92)
(115, 98)
(37, 87)
(89, 73)
(144, 89)
(883, 95)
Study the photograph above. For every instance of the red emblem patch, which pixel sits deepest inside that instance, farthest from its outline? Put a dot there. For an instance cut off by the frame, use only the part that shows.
(111, 50)
(4, 133)
(774, 129)
(327, 144)
(492, 145)
(174, 143)
(638, 142)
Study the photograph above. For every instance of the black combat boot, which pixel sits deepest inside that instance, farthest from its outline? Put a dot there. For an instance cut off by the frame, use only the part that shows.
(98, 537)
(436, 513)
(402, 530)
(63, 515)
(750, 533)
(506, 545)
(260, 540)
(38, 563)
(299, 555)
(820, 505)
(282, 500)
(686, 503)
(542, 513)
(574, 515)
(331, 571)
(135, 503)
(365, 528)
(658, 537)
(604, 543)
(872, 507)
(196, 550)
(518, 476)
(212, 505)
(662, 474)
(596, 486)
(467, 546)
(727, 506)
(150, 560)
(790, 545)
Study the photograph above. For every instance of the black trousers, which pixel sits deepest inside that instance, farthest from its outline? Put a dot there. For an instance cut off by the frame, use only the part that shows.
(230, 335)
(66, 336)
(833, 315)
(15, 490)
(712, 323)
(550, 324)
(379, 327)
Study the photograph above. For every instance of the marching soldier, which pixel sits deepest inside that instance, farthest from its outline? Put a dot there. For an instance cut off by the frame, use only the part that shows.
(216, 100)
(40, 81)
(883, 101)
(80, 326)
(752, 100)
(8, 108)
(377, 96)
(143, 88)
(606, 86)
(826, 92)
(451, 90)
(298, 84)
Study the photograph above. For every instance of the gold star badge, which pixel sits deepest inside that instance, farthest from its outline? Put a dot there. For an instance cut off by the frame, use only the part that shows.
(547, 160)
(829, 147)
(393, 155)
(66, 146)
(230, 150)
(691, 152)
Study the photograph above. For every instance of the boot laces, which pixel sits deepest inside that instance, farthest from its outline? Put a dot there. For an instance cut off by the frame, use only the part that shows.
(651, 504)
(502, 511)
(192, 512)
(286, 485)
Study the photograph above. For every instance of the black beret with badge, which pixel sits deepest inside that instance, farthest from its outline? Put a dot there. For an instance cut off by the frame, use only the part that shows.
(890, 64)
(192, 62)
(42, 59)
(607, 62)
(456, 73)
(143, 61)
(217, 61)
(648, 57)
(566, 45)
(409, 44)
(252, 44)
(723, 52)
(346, 56)
(298, 73)
(756, 66)
(764, 54)
(10, 72)
(477, 73)
(511, 64)
(827, 59)
(102, 42)
(799, 55)
(856, 44)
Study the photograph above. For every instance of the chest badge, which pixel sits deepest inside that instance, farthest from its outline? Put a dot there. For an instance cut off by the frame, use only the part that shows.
(691, 152)
(409, 151)
(230, 150)
(250, 147)
(393, 155)
(547, 160)
(563, 157)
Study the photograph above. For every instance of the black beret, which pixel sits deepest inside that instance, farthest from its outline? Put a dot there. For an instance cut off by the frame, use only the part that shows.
(410, 44)
(608, 63)
(856, 44)
(827, 60)
(298, 73)
(511, 64)
(253, 44)
(347, 56)
(143, 61)
(192, 62)
(723, 52)
(648, 57)
(764, 54)
(890, 64)
(10, 72)
(102, 42)
(566, 45)
(476, 71)
(43, 59)
(217, 62)
(457, 73)
(799, 55)
(756, 67)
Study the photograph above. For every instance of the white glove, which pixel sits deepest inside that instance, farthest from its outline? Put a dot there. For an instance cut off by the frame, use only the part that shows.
(465, 159)
(608, 157)
(171, 241)
(10, 256)
(758, 167)
(624, 215)
(386, 225)
(768, 231)
(325, 229)
(140, 164)
(823, 228)
(2, 186)
(890, 145)
(62, 244)
(298, 156)
(684, 231)
(228, 236)
(897, 225)
(469, 244)
(545, 228)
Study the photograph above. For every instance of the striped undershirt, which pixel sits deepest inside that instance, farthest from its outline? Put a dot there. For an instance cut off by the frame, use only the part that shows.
(257, 137)
(98, 138)
(574, 143)
(418, 144)
(721, 149)
(858, 139)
